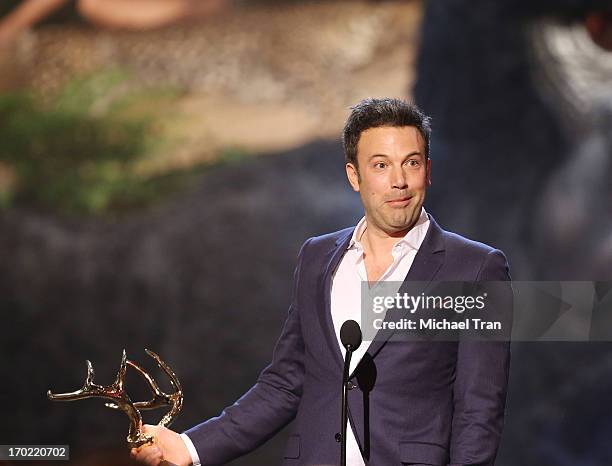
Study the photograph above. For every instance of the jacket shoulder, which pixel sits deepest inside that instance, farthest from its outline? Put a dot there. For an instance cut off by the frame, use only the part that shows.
(319, 246)
(466, 245)
(477, 260)
(329, 240)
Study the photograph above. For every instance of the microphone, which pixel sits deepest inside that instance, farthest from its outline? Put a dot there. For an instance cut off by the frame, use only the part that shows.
(350, 336)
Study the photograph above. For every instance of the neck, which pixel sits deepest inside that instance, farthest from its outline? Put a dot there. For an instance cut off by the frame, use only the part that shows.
(379, 243)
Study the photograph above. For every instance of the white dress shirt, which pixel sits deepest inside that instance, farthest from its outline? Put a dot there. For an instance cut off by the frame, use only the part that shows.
(346, 302)
(346, 295)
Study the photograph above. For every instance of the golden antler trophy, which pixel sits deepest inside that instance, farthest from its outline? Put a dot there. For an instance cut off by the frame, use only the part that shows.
(121, 400)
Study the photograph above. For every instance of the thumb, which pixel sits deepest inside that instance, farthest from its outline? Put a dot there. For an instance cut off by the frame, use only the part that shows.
(149, 429)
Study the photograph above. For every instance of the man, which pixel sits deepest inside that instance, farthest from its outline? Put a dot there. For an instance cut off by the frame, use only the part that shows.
(419, 402)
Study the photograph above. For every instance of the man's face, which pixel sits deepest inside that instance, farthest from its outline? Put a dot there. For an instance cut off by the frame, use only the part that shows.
(391, 178)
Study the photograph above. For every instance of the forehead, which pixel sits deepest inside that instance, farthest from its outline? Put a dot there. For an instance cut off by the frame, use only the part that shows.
(390, 140)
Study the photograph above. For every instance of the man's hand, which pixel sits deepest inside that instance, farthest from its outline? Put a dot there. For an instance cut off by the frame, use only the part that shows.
(168, 446)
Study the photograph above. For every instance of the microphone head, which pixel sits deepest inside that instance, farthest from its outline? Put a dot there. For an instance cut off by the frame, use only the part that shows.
(350, 335)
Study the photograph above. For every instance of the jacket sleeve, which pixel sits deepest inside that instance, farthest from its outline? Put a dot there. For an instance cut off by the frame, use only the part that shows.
(267, 406)
(479, 392)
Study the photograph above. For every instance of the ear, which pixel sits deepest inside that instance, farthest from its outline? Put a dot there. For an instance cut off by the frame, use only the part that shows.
(428, 175)
(353, 176)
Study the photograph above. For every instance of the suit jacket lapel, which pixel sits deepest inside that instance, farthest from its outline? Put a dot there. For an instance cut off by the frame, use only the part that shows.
(425, 266)
(332, 260)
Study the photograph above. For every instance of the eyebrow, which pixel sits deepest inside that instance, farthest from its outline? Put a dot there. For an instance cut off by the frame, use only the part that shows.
(417, 152)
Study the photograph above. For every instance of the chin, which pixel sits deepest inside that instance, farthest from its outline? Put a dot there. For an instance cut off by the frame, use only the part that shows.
(399, 228)
(404, 223)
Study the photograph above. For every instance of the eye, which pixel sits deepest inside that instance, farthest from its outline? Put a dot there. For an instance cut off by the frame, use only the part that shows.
(413, 163)
(380, 165)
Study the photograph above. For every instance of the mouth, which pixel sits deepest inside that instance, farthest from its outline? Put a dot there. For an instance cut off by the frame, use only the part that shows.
(400, 201)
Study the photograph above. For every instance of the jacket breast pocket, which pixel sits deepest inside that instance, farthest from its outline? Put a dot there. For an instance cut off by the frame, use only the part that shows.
(292, 450)
(417, 453)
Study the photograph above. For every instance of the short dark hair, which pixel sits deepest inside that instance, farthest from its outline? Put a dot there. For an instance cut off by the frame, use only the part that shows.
(373, 113)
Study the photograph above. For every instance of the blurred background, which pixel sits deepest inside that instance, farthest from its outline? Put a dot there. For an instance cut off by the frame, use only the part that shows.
(162, 161)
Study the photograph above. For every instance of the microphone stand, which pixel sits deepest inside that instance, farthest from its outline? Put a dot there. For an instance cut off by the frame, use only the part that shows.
(345, 376)
(350, 337)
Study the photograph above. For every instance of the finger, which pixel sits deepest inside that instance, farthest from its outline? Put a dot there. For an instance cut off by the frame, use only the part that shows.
(144, 447)
(154, 457)
(151, 460)
(147, 453)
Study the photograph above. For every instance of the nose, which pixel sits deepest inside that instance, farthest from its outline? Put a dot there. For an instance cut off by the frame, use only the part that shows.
(399, 179)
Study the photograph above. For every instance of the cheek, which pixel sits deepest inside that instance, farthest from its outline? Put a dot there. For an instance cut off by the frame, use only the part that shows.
(375, 195)
(376, 186)
(420, 182)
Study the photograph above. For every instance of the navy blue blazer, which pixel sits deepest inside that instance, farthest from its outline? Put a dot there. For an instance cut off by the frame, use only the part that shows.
(425, 403)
